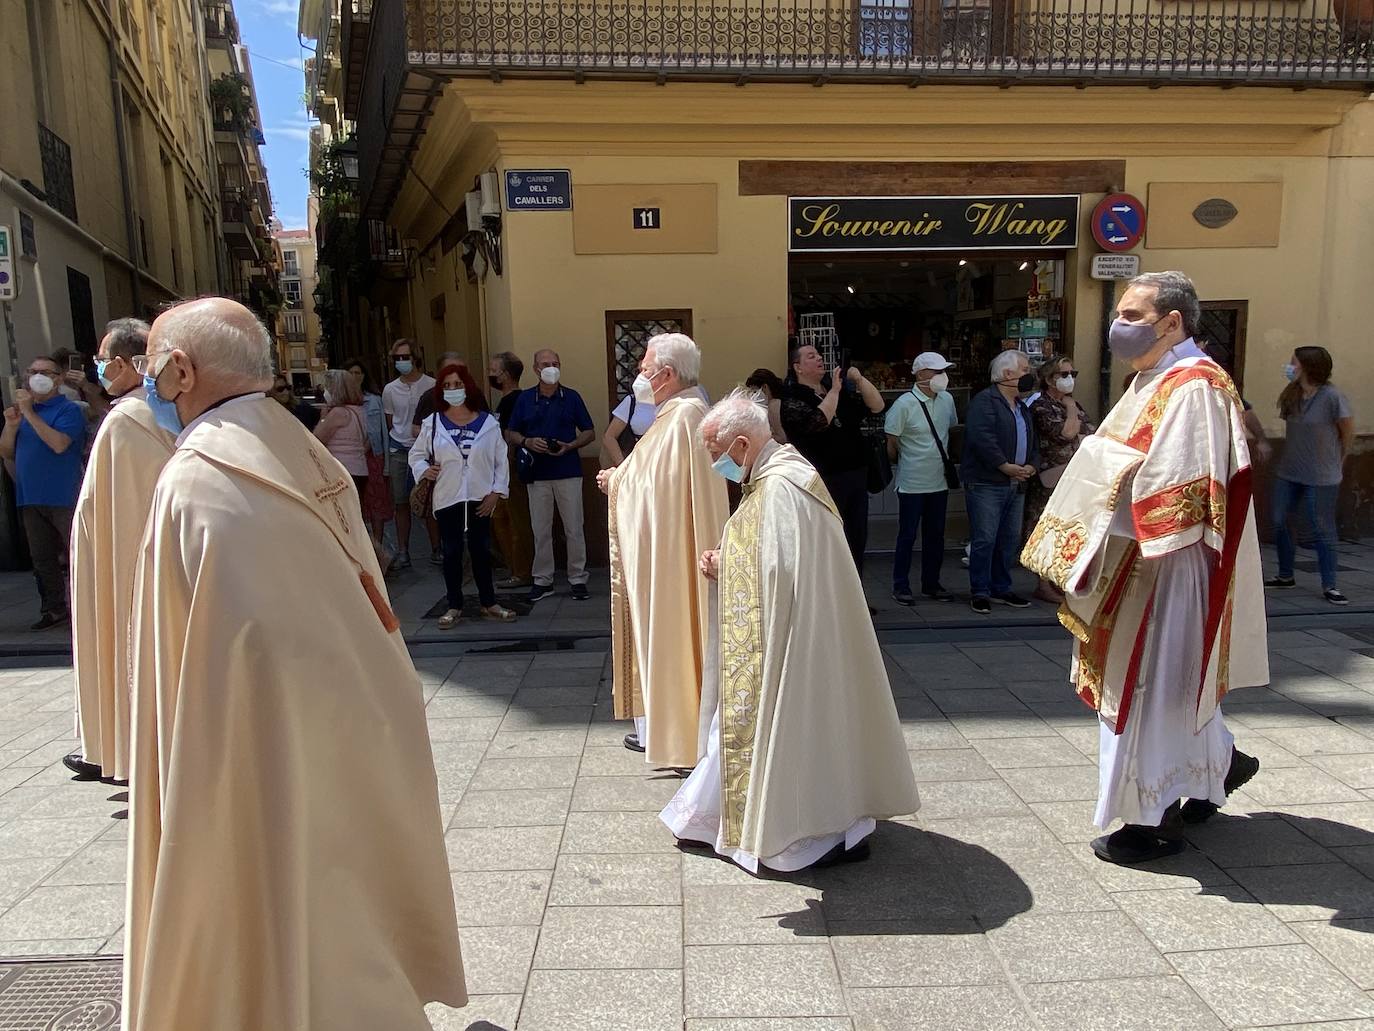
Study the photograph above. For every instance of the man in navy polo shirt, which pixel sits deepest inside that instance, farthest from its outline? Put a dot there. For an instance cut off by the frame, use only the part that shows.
(552, 423)
(41, 444)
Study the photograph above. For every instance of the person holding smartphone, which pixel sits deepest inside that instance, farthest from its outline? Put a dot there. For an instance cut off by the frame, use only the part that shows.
(551, 421)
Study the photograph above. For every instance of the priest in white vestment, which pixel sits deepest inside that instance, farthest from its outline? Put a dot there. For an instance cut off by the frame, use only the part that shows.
(805, 751)
(666, 508)
(1151, 535)
(287, 865)
(111, 513)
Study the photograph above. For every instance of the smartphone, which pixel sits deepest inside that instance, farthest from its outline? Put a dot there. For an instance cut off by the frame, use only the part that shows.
(76, 363)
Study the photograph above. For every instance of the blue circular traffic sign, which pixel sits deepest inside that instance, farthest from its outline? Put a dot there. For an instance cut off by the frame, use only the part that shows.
(1118, 222)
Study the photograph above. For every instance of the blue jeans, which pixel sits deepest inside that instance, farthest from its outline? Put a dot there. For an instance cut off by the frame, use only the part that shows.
(927, 513)
(994, 522)
(1319, 505)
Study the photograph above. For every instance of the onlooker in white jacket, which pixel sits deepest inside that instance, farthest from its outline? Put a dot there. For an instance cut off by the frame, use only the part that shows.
(461, 449)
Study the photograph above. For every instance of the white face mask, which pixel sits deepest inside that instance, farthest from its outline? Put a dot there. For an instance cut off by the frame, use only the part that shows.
(41, 384)
(456, 397)
(1064, 384)
(549, 375)
(643, 389)
(939, 382)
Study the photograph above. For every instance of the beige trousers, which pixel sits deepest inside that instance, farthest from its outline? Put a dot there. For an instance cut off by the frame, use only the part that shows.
(567, 495)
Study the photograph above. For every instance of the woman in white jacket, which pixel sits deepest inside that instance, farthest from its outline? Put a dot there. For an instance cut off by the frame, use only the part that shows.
(460, 448)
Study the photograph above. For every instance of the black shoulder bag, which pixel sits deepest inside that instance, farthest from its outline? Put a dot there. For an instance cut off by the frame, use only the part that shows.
(951, 470)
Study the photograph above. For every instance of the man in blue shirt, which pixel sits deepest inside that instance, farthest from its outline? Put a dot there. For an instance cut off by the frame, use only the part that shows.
(552, 423)
(1000, 454)
(42, 444)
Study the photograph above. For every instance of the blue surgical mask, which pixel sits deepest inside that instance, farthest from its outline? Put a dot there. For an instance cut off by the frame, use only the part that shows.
(455, 397)
(165, 412)
(405, 366)
(729, 468)
(1131, 340)
(1290, 373)
(100, 367)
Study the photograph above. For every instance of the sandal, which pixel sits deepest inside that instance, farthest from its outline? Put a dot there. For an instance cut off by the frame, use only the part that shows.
(498, 613)
(450, 618)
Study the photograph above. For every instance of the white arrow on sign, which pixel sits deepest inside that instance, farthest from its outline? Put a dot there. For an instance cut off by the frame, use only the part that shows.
(1118, 239)
(1122, 208)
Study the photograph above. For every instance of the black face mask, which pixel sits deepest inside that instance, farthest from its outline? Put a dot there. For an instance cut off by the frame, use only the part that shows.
(1026, 383)
(495, 381)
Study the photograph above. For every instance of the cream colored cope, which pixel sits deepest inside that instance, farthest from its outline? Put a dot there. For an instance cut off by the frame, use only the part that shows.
(287, 866)
(666, 508)
(111, 514)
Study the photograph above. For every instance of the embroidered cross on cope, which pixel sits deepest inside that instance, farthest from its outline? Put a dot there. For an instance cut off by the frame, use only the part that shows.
(331, 491)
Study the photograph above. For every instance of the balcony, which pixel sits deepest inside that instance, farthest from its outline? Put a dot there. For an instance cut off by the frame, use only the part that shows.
(416, 44)
(357, 30)
(221, 27)
(57, 171)
(237, 218)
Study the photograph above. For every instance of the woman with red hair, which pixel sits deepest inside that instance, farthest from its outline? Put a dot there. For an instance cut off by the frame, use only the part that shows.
(461, 449)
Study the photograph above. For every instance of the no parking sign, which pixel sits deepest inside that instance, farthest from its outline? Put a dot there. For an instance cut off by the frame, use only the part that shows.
(1118, 222)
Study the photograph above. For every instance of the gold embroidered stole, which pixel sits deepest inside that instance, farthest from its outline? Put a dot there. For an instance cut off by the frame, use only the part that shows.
(741, 632)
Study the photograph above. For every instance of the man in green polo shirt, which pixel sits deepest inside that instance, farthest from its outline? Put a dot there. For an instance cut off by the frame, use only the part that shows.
(918, 425)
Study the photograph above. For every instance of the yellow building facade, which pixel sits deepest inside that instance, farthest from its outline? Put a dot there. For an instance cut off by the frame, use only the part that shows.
(298, 354)
(110, 164)
(1244, 134)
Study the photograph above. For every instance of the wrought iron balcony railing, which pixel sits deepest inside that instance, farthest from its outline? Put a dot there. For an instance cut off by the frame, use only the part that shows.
(58, 183)
(1320, 42)
(414, 44)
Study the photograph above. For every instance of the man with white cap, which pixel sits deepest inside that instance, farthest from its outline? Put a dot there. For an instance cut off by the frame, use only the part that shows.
(918, 425)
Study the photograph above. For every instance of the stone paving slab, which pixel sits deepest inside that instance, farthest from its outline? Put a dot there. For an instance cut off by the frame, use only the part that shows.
(984, 910)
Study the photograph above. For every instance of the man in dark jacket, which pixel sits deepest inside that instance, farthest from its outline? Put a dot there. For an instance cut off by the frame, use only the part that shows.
(1000, 455)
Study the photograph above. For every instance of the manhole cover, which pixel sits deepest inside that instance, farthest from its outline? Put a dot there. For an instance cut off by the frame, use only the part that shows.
(60, 995)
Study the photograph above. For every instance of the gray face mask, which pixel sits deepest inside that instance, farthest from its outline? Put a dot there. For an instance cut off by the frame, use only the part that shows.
(1131, 340)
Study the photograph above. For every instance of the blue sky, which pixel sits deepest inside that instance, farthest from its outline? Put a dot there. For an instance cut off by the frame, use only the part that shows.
(268, 29)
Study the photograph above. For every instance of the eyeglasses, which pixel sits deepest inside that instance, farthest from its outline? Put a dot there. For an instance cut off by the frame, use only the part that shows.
(140, 364)
(1062, 372)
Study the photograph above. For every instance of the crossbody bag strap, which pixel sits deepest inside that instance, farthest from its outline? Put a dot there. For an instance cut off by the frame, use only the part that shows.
(935, 436)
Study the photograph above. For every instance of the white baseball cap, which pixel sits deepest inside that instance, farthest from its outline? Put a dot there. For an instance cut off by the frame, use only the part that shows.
(930, 360)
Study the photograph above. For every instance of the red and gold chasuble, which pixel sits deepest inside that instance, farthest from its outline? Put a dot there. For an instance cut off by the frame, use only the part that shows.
(1168, 469)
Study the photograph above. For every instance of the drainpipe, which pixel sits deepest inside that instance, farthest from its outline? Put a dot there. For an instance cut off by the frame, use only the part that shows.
(122, 145)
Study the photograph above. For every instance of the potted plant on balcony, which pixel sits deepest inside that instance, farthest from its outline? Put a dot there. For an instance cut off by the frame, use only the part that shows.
(230, 103)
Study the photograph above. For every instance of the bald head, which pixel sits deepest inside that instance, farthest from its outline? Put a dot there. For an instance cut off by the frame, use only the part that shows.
(206, 350)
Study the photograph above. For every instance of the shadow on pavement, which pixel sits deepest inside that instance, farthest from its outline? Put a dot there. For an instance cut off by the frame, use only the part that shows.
(916, 882)
(1289, 864)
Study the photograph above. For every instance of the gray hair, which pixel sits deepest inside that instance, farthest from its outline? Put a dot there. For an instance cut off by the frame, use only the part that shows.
(1004, 361)
(219, 336)
(741, 413)
(128, 337)
(679, 352)
(343, 388)
(1174, 291)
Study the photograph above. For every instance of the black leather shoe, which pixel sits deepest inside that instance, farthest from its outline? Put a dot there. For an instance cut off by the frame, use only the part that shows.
(632, 742)
(1242, 770)
(839, 854)
(939, 594)
(50, 620)
(82, 769)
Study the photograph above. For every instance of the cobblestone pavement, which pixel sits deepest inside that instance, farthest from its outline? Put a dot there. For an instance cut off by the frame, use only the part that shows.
(984, 911)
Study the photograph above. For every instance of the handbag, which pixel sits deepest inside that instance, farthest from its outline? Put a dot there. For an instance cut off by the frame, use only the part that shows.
(879, 466)
(422, 494)
(951, 470)
(628, 437)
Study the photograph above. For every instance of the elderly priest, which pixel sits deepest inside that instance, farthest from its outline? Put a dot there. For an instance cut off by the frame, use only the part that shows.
(287, 865)
(666, 508)
(805, 750)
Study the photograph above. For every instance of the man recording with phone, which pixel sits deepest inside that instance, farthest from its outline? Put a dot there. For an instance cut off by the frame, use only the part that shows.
(552, 423)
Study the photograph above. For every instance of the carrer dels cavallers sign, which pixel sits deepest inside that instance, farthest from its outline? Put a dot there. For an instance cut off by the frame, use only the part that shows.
(932, 223)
